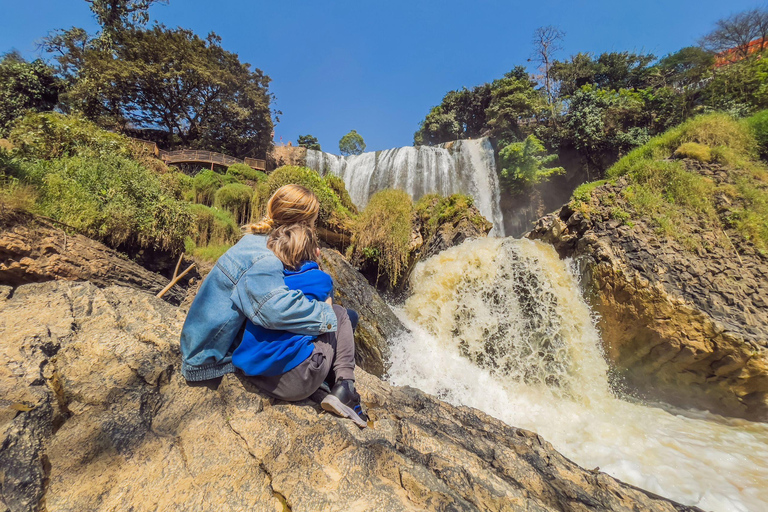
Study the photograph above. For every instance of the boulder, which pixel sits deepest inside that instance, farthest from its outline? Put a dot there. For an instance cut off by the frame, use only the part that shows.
(689, 327)
(35, 249)
(97, 417)
(377, 322)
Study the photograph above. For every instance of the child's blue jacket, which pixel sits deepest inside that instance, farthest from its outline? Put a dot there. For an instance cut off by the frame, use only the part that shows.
(247, 282)
(273, 352)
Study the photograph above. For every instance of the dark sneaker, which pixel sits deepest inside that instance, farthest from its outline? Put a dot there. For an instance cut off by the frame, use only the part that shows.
(323, 391)
(344, 401)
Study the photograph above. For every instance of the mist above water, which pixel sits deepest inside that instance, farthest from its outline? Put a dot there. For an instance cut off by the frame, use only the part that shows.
(501, 325)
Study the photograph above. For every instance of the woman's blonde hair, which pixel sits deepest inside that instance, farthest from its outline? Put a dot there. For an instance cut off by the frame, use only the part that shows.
(293, 244)
(290, 204)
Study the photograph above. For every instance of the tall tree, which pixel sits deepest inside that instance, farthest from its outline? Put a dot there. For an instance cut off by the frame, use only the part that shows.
(352, 144)
(199, 94)
(546, 42)
(25, 86)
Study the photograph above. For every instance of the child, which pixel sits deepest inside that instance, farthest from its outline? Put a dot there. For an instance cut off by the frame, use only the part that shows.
(293, 366)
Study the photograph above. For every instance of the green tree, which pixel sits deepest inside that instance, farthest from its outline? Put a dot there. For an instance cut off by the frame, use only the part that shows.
(614, 71)
(514, 101)
(25, 86)
(201, 95)
(439, 126)
(309, 142)
(604, 124)
(525, 164)
(352, 144)
(115, 15)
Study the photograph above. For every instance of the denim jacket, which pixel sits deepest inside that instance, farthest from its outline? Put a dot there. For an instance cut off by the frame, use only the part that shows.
(246, 282)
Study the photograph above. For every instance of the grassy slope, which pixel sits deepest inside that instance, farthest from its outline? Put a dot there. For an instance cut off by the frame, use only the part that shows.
(663, 185)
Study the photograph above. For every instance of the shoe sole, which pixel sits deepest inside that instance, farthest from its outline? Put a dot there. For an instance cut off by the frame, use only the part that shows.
(334, 405)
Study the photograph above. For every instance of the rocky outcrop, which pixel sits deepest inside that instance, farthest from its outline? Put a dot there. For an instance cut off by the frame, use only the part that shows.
(377, 322)
(443, 225)
(686, 326)
(35, 249)
(97, 417)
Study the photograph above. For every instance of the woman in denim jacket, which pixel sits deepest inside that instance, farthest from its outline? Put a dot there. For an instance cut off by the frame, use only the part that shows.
(247, 283)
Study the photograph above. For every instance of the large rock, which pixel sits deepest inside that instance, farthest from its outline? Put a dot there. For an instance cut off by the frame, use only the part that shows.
(113, 426)
(35, 249)
(688, 327)
(377, 322)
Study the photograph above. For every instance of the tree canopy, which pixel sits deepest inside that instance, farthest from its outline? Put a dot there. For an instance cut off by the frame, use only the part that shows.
(309, 142)
(25, 86)
(352, 144)
(173, 81)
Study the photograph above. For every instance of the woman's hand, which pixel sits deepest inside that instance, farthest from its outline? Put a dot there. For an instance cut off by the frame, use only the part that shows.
(329, 300)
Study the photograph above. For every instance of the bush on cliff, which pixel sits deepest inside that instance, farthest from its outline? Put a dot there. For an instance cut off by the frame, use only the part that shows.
(382, 234)
(206, 183)
(110, 198)
(433, 210)
(243, 172)
(333, 214)
(211, 227)
(236, 199)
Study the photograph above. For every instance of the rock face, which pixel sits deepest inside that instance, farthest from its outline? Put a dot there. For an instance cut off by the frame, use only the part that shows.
(377, 322)
(690, 328)
(33, 249)
(96, 416)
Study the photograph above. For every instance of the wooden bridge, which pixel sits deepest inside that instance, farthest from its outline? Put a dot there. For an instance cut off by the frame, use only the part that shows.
(193, 156)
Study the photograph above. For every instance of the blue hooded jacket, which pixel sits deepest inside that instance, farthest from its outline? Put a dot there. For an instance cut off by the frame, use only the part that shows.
(270, 352)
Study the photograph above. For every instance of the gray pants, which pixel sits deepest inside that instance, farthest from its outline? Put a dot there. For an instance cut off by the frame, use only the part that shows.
(334, 353)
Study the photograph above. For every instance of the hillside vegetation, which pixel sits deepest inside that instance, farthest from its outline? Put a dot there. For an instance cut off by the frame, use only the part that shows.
(107, 187)
(705, 173)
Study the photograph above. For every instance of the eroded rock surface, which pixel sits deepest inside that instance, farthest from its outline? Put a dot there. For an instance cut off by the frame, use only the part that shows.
(35, 249)
(113, 426)
(686, 326)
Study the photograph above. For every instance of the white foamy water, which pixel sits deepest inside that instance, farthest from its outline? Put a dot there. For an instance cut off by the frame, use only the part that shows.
(543, 370)
(465, 166)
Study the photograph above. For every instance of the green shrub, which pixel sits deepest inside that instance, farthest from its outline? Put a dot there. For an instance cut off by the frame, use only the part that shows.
(434, 209)
(211, 226)
(383, 233)
(209, 253)
(758, 123)
(332, 212)
(337, 185)
(236, 199)
(51, 135)
(178, 185)
(694, 151)
(112, 198)
(243, 172)
(206, 183)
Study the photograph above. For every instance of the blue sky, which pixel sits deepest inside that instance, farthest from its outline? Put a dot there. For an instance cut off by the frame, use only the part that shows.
(378, 67)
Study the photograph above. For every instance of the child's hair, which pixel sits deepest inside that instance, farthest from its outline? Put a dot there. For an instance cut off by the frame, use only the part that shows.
(293, 244)
(290, 204)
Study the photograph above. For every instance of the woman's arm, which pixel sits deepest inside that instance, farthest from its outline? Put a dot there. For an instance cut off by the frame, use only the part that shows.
(266, 301)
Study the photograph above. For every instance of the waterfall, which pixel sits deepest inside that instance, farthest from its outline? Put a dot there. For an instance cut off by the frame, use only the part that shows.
(464, 166)
(501, 325)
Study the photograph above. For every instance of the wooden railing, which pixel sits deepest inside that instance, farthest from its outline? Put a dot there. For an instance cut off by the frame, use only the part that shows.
(200, 157)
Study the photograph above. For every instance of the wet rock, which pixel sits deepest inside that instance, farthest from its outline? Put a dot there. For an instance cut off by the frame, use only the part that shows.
(670, 316)
(35, 249)
(125, 431)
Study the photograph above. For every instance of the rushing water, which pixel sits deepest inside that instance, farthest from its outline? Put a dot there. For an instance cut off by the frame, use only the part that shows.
(500, 324)
(466, 166)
